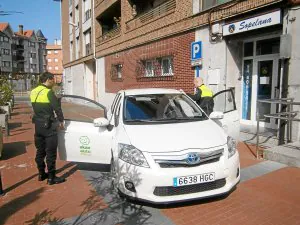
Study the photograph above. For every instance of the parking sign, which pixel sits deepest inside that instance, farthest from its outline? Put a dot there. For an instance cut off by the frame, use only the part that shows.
(196, 50)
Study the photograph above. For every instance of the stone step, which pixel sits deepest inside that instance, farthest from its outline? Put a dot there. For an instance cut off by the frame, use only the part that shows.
(288, 154)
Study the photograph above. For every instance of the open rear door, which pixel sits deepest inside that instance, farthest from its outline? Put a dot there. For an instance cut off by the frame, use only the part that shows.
(224, 101)
(81, 141)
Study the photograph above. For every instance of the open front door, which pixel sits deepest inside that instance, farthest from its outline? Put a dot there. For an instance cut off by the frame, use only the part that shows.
(81, 141)
(224, 101)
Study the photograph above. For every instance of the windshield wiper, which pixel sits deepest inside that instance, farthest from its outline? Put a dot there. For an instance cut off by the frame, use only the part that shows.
(140, 120)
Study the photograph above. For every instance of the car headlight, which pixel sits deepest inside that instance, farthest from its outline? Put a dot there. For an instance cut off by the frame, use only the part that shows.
(231, 143)
(132, 155)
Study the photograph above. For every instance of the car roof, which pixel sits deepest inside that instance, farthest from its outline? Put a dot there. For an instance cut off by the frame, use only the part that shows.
(143, 91)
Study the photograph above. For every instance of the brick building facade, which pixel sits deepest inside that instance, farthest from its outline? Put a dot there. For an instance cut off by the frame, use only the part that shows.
(54, 59)
(142, 44)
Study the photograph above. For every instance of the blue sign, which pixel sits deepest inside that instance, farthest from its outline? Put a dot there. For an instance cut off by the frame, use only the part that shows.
(246, 112)
(196, 50)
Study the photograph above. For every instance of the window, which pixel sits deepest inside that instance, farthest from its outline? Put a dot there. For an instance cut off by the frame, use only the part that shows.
(1, 38)
(87, 42)
(207, 4)
(56, 68)
(5, 51)
(248, 49)
(87, 14)
(14, 53)
(33, 66)
(55, 60)
(70, 21)
(87, 9)
(49, 67)
(49, 60)
(77, 16)
(77, 48)
(31, 44)
(167, 66)
(269, 46)
(33, 55)
(15, 64)
(116, 71)
(55, 52)
(5, 39)
(158, 67)
(49, 52)
(149, 70)
(6, 63)
(71, 50)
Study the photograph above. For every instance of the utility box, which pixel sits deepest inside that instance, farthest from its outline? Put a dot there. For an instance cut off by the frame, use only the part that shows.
(285, 46)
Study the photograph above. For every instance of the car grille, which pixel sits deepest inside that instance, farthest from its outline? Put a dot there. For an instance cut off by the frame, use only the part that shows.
(205, 158)
(169, 165)
(189, 189)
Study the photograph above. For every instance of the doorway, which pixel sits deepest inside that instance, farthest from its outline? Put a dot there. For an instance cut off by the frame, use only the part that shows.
(260, 80)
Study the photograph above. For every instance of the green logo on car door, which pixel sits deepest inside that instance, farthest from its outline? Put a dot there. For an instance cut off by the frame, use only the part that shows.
(85, 149)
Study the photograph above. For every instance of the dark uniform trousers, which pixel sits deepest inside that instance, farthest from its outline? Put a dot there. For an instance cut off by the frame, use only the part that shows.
(207, 105)
(46, 141)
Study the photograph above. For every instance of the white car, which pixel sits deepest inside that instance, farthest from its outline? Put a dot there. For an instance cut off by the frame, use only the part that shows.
(161, 146)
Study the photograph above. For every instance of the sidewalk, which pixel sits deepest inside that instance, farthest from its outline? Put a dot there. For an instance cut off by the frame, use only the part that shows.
(268, 192)
(28, 201)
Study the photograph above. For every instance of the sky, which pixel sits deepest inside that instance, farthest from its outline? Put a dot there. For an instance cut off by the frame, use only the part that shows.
(36, 14)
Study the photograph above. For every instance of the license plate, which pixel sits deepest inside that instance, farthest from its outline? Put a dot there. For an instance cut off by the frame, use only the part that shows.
(193, 179)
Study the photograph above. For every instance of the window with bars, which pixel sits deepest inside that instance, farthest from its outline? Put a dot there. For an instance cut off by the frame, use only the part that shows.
(157, 67)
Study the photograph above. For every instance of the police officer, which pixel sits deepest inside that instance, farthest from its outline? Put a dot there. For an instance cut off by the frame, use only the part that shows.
(203, 96)
(44, 104)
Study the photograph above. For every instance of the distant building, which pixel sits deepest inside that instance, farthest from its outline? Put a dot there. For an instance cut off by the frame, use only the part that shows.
(54, 60)
(22, 55)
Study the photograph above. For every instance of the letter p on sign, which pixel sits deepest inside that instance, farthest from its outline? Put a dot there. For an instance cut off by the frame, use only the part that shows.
(196, 50)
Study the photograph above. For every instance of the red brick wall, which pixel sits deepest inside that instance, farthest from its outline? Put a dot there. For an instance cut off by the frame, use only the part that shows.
(177, 46)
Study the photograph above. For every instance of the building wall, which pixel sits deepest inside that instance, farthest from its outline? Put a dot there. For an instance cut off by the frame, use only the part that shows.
(104, 97)
(291, 26)
(177, 46)
(54, 52)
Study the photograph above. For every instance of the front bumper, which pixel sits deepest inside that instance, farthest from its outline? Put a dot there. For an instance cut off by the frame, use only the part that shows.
(148, 181)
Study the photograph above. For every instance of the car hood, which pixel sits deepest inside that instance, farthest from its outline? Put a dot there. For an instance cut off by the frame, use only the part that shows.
(175, 136)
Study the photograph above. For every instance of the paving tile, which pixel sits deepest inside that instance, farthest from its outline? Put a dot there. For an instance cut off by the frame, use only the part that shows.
(27, 199)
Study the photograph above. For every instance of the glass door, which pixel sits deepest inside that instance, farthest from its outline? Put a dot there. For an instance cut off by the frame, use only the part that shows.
(266, 84)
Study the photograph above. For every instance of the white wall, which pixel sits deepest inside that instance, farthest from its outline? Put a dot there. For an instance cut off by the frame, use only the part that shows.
(88, 81)
(213, 62)
(78, 79)
(105, 98)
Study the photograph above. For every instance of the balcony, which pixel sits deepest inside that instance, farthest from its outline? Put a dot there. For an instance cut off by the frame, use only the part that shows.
(154, 13)
(20, 47)
(108, 35)
(20, 58)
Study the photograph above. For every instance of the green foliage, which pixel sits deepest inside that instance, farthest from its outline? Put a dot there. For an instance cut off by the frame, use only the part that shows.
(6, 92)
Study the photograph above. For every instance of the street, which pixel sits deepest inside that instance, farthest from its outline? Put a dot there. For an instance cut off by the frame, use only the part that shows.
(267, 194)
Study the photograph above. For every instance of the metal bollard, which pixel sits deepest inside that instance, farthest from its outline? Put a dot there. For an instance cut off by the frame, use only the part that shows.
(1, 189)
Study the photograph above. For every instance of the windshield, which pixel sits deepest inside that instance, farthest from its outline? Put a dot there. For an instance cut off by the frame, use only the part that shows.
(161, 108)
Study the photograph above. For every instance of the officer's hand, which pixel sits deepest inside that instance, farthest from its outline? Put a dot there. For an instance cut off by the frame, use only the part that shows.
(61, 126)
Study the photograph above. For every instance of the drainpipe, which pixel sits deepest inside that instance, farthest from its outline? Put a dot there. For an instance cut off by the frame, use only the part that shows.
(94, 50)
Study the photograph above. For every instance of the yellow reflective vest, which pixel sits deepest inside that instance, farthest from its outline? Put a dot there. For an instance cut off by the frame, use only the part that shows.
(40, 95)
(205, 91)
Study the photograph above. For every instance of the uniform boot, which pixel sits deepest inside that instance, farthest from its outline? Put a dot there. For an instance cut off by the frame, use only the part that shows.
(42, 176)
(55, 180)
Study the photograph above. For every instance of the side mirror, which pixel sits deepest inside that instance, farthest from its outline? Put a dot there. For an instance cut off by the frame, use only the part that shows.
(216, 115)
(101, 122)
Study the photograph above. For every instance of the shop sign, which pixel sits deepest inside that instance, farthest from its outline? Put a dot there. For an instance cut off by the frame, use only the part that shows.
(265, 20)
